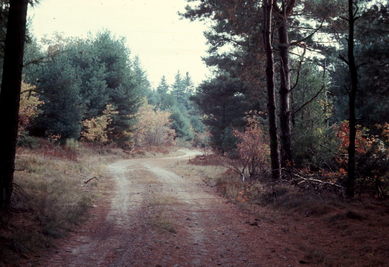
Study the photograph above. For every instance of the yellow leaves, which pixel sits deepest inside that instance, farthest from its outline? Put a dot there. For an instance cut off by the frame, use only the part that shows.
(153, 127)
(29, 105)
(95, 129)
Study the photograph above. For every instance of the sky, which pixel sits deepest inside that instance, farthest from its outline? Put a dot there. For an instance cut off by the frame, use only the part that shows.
(164, 42)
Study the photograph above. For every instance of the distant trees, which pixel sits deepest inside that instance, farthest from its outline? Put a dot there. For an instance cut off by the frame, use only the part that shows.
(185, 116)
(77, 82)
(10, 95)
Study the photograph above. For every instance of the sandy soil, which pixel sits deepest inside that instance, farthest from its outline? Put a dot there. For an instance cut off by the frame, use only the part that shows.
(152, 216)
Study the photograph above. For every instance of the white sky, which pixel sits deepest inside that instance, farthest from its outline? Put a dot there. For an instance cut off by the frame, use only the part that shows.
(154, 31)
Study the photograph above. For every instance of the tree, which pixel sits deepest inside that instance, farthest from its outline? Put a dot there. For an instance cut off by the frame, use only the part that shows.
(179, 90)
(352, 17)
(166, 101)
(60, 88)
(283, 14)
(181, 124)
(153, 127)
(82, 77)
(120, 77)
(10, 95)
(267, 32)
(314, 142)
(224, 104)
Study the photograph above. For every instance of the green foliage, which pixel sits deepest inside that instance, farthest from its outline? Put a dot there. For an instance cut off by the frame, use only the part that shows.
(181, 124)
(25, 140)
(314, 139)
(185, 116)
(224, 104)
(372, 39)
(79, 78)
(59, 87)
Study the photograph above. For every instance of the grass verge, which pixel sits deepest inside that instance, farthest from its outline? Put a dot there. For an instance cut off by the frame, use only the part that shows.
(50, 198)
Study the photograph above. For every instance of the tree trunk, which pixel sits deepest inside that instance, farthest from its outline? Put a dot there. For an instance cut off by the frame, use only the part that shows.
(267, 37)
(352, 96)
(10, 96)
(285, 111)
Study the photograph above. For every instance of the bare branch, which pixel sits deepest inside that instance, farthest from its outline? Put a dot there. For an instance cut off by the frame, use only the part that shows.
(299, 69)
(316, 95)
(343, 59)
(310, 35)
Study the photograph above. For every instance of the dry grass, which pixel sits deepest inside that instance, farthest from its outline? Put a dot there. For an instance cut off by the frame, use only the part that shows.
(154, 151)
(50, 198)
(161, 222)
(357, 231)
(159, 218)
(161, 200)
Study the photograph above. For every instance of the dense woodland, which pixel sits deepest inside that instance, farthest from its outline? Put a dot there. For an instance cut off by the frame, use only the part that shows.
(299, 88)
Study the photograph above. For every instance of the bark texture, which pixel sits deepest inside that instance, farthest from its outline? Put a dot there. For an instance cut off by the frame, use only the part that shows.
(271, 106)
(283, 12)
(352, 97)
(285, 95)
(10, 96)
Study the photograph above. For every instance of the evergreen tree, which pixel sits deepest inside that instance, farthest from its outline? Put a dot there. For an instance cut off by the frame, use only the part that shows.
(59, 87)
(224, 104)
(166, 101)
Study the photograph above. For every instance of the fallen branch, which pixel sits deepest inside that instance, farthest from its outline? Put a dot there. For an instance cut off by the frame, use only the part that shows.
(90, 179)
(303, 180)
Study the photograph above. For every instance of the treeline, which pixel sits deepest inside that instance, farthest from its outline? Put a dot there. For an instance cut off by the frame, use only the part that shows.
(78, 79)
(185, 115)
(312, 75)
(91, 90)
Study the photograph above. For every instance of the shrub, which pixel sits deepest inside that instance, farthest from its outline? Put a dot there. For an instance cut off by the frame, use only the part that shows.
(252, 151)
(372, 158)
(27, 141)
(96, 129)
(153, 127)
(29, 106)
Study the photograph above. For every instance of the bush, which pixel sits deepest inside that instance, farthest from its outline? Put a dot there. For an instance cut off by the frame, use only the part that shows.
(153, 127)
(252, 151)
(372, 158)
(27, 141)
(29, 106)
(96, 129)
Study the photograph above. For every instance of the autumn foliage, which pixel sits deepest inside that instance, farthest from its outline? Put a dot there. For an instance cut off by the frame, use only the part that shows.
(29, 106)
(153, 127)
(252, 150)
(372, 157)
(96, 129)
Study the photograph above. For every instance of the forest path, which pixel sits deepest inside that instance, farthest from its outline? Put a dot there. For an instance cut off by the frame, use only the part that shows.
(151, 216)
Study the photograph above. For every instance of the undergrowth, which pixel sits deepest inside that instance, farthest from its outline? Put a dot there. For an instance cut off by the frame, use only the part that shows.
(50, 198)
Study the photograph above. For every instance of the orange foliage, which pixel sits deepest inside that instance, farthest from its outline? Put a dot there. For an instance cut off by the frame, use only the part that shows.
(252, 150)
(361, 141)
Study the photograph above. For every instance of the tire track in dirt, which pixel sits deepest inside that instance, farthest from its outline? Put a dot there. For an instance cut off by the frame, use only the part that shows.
(154, 217)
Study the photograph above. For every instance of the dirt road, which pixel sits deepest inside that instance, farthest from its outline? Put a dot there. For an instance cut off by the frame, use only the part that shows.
(151, 216)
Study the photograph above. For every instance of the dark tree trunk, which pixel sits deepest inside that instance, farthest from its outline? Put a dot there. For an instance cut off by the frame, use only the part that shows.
(352, 96)
(10, 95)
(267, 37)
(285, 95)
